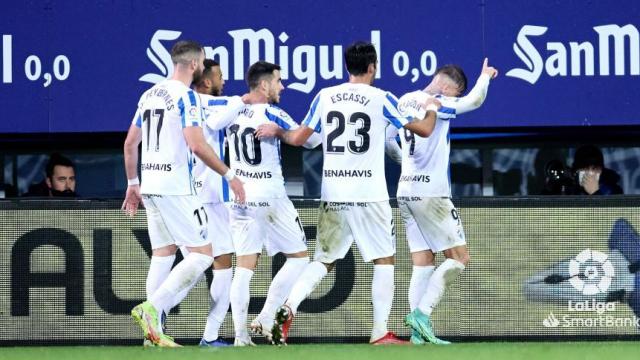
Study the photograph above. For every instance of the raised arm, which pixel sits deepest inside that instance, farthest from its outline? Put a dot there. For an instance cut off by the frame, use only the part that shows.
(475, 98)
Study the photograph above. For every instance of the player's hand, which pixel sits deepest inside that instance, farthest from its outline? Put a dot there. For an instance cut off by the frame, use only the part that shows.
(268, 130)
(237, 187)
(431, 101)
(489, 70)
(132, 200)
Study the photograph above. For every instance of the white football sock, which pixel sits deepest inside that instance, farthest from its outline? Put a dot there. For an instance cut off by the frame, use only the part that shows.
(240, 298)
(306, 283)
(159, 269)
(382, 289)
(280, 288)
(442, 277)
(183, 276)
(219, 291)
(418, 285)
(183, 294)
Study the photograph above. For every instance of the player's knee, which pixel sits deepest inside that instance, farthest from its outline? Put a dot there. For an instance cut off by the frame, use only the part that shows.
(389, 260)
(222, 262)
(165, 251)
(301, 254)
(459, 253)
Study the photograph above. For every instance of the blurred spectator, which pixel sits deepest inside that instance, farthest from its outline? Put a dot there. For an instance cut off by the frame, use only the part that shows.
(60, 180)
(591, 177)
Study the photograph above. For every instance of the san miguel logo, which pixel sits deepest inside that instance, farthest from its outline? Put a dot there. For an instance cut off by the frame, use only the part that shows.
(578, 58)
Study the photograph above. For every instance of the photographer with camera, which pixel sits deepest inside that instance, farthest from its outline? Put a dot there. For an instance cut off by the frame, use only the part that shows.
(558, 179)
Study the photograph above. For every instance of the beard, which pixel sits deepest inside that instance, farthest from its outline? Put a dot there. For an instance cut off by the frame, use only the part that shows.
(63, 193)
(197, 76)
(273, 98)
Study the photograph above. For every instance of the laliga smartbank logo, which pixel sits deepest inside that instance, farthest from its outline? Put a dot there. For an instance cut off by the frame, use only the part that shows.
(591, 274)
(593, 266)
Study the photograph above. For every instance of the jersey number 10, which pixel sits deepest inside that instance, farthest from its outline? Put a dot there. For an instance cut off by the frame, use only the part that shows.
(250, 151)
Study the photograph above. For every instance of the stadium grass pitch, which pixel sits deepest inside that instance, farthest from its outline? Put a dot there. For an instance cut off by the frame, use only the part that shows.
(475, 351)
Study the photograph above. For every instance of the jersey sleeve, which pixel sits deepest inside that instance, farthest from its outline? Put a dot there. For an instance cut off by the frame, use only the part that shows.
(408, 105)
(137, 117)
(280, 118)
(313, 141)
(222, 111)
(391, 146)
(453, 106)
(312, 120)
(190, 109)
(391, 112)
(285, 121)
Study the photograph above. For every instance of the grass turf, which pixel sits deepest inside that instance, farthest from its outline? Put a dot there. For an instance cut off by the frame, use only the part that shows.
(475, 351)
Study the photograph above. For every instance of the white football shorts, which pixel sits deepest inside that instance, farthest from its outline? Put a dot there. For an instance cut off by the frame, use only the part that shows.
(219, 228)
(432, 223)
(369, 224)
(270, 223)
(175, 220)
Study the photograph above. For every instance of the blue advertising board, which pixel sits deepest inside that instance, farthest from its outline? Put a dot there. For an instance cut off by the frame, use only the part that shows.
(80, 66)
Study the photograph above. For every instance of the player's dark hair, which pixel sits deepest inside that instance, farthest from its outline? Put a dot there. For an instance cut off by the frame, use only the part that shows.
(358, 56)
(57, 160)
(258, 71)
(184, 51)
(208, 68)
(455, 73)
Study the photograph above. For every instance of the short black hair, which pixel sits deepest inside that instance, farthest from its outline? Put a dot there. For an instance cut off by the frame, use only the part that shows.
(455, 73)
(57, 160)
(208, 68)
(586, 156)
(258, 71)
(358, 56)
(184, 51)
(209, 64)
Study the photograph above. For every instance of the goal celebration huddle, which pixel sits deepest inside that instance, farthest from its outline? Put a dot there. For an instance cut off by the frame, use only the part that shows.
(209, 210)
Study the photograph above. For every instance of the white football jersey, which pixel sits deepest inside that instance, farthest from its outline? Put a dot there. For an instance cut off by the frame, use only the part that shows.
(425, 161)
(257, 162)
(163, 111)
(218, 113)
(351, 119)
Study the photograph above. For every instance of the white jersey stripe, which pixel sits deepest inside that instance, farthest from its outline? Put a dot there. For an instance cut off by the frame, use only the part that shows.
(225, 185)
